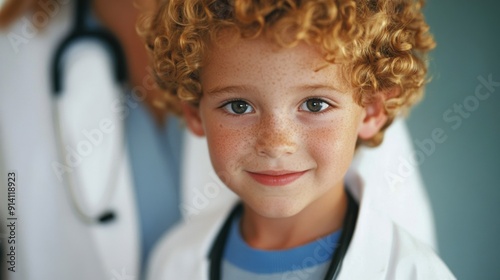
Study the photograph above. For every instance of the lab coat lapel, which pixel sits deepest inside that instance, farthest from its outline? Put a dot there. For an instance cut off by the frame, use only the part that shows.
(369, 251)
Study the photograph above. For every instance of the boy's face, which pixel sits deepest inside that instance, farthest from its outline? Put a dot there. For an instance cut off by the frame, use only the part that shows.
(281, 125)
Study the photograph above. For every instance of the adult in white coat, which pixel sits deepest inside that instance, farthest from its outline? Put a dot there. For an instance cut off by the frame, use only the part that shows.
(52, 241)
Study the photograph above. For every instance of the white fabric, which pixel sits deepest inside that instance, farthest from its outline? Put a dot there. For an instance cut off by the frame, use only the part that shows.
(380, 249)
(52, 242)
(393, 183)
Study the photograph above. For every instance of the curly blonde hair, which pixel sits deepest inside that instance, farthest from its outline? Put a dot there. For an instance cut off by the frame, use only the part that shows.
(382, 44)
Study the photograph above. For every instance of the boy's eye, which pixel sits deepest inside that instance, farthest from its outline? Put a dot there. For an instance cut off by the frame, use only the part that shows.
(314, 105)
(238, 107)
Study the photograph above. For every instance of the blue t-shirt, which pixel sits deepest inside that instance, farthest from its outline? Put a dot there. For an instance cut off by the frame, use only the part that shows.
(309, 261)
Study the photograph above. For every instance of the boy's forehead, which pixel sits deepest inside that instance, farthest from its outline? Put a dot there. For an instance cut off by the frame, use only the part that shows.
(263, 61)
(263, 49)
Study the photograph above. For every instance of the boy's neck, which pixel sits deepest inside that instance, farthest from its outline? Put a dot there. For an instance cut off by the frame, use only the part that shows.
(319, 219)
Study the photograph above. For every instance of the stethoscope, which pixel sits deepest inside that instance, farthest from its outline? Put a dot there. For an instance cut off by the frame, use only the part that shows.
(216, 252)
(79, 32)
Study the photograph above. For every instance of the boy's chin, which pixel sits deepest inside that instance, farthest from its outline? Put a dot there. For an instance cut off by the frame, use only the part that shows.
(275, 208)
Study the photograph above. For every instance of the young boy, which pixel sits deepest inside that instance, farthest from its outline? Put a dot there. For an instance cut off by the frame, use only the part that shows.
(284, 92)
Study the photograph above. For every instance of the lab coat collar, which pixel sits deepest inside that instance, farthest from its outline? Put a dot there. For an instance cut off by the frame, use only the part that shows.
(370, 224)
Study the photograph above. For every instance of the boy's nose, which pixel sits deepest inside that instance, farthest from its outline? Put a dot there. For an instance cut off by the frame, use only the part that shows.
(276, 137)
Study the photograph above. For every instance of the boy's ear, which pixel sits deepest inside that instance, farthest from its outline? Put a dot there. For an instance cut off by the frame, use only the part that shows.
(374, 119)
(193, 120)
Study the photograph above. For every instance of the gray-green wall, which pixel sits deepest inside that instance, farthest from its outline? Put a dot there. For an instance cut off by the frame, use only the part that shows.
(462, 174)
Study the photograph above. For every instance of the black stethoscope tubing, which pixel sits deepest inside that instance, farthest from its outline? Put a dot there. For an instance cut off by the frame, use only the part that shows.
(80, 32)
(217, 251)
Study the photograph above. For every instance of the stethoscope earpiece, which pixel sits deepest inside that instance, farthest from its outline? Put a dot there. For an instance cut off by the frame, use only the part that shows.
(107, 217)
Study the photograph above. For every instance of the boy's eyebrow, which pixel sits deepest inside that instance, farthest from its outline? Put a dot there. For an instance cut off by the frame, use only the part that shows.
(313, 87)
(221, 90)
(321, 67)
(230, 89)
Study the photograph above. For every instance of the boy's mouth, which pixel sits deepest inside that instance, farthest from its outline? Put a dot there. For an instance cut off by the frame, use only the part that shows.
(276, 178)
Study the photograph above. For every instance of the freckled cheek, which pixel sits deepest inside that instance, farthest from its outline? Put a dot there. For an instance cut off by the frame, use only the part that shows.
(227, 146)
(333, 144)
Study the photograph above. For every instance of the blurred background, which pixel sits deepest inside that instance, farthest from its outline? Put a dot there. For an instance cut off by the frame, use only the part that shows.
(462, 174)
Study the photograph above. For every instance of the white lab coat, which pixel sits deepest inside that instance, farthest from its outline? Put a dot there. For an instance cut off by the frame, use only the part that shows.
(380, 248)
(51, 241)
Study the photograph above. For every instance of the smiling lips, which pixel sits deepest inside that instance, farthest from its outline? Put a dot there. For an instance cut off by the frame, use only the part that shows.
(276, 178)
